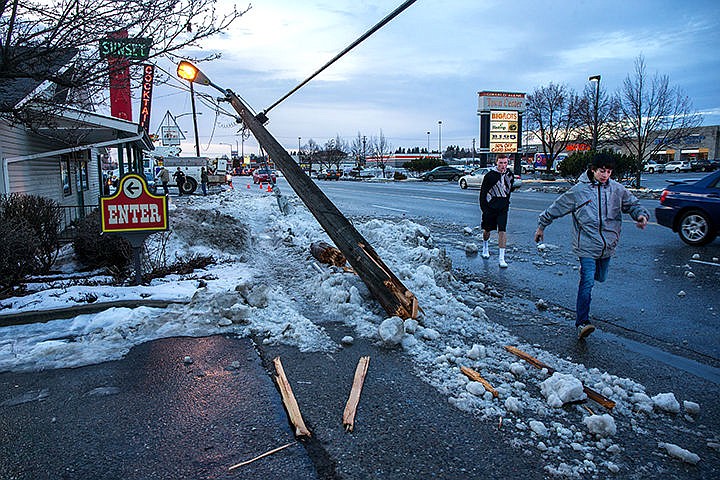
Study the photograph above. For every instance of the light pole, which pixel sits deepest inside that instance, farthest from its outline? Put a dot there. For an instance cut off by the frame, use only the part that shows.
(395, 298)
(440, 138)
(428, 149)
(596, 79)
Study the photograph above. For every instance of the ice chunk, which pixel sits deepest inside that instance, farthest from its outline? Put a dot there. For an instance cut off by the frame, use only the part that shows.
(539, 428)
(391, 330)
(513, 405)
(561, 389)
(680, 453)
(691, 407)
(476, 352)
(476, 388)
(601, 425)
(667, 402)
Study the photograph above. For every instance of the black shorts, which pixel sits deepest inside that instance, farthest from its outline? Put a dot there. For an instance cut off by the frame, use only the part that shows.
(495, 216)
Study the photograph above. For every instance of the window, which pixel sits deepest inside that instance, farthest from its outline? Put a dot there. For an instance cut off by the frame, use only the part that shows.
(65, 176)
(83, 182)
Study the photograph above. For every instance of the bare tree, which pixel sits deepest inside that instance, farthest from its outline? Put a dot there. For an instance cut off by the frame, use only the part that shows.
(312, 150)
(357, 149)
(607, 110)
(34, 34)
(382, 150)
(336, 150)
(652, 115)
(551, 118)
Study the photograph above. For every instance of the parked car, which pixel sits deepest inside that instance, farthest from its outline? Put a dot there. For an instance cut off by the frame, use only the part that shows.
(526, 166)
(692, 209)
(677, 166)
(474, 180)
(443, 172)
(264, 175)
(329, 175)
(702, 165)
(653, 167)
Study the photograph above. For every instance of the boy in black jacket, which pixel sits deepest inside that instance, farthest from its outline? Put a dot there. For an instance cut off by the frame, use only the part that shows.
(494, 204)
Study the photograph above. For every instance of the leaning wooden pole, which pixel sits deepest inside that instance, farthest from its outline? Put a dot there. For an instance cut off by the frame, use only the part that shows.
(394, 297)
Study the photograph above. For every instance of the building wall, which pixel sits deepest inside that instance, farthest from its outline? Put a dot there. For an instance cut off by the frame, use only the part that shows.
(42, 176)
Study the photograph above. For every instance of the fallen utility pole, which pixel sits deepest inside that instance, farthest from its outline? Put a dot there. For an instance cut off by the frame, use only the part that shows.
(395, 298)
(592, 394)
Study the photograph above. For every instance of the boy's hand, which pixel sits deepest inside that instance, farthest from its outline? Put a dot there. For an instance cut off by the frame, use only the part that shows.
(539, 235)
(642, 222)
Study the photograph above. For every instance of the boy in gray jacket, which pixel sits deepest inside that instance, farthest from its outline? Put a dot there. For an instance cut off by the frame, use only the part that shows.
(596, 203)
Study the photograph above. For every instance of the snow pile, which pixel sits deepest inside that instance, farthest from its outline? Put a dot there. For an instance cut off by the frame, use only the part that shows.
(560, 389)
(666, 402)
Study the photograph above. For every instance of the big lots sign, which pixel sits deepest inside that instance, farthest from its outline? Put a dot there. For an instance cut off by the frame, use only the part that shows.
(133, 208)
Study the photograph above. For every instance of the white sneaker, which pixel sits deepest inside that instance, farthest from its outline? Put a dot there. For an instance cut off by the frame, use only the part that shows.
(503, 263)
(485, 255)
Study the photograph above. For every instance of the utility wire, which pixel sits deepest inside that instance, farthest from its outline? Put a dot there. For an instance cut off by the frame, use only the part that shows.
(357, 42)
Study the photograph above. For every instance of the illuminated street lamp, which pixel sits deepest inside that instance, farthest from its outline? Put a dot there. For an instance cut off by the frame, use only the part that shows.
(595, 78)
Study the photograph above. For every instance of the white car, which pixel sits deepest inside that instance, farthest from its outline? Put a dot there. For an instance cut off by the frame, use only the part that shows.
(474, 180)
(652, 167)
(678, 166)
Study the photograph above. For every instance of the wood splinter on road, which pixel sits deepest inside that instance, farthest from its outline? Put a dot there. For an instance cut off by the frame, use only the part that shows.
(476, 377)
(274, 450)
(289, 401)
(354, 399)
(592, 394)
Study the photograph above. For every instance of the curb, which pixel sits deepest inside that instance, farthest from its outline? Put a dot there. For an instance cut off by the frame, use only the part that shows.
(24, 318)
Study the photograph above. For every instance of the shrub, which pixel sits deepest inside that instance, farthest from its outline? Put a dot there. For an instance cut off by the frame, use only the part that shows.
(95, 249)
(423, 164)
(41, 216)
(399, 176)
(17, 252)
(578, 162)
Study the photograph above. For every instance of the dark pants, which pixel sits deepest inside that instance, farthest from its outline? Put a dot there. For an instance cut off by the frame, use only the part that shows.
(166, 190)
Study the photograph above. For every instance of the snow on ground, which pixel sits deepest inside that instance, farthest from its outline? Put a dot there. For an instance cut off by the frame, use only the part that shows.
(267, 285)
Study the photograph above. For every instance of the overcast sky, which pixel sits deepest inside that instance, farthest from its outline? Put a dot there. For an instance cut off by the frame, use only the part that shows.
(429, 63)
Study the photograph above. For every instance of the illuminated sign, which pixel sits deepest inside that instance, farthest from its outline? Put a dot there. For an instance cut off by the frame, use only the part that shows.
(146, 97)
(130, 48)
(133, 208)
(503, 131)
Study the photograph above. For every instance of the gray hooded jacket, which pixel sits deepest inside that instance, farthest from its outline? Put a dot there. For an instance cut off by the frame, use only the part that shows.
(597, 214)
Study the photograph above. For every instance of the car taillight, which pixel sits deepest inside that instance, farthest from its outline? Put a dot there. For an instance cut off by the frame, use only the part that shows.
(664, 196)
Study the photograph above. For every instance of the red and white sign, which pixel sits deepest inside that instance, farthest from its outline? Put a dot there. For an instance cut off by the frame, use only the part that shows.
(133, 208)
(503, 131)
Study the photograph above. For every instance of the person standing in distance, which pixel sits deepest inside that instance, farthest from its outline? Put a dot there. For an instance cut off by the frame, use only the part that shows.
(494, 204)
(179, 177)
(596, 203)
(164, 177)
(204, 180)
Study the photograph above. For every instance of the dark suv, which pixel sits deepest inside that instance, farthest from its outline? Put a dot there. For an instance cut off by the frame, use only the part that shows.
(702, 165)
(444, 172)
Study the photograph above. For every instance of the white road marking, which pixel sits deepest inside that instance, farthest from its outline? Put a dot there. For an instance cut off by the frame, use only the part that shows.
(390, 208)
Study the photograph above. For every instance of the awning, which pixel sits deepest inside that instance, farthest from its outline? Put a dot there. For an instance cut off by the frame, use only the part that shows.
(91, 130)
(692, 150)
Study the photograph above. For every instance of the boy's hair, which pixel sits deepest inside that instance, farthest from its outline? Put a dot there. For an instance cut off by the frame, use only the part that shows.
(603, 160)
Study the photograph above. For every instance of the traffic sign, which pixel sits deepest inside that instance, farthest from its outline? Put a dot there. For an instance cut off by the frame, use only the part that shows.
(133, 208)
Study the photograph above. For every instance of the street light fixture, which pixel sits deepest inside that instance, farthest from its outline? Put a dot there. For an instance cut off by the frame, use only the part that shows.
(596, 79)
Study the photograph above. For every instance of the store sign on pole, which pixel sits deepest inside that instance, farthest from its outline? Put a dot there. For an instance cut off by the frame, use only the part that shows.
(170, 135)
(503, 131)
